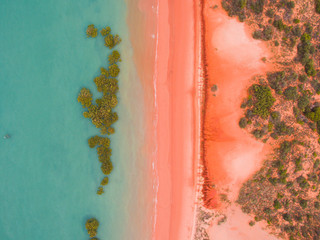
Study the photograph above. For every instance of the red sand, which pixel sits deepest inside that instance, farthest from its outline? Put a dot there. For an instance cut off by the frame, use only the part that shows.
(231, 155)
(174, 75)
(232, 57)
(175, 101)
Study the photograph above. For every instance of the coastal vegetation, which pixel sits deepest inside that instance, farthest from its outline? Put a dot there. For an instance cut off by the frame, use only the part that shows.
(282, 107)
(92, 31)
(101, 111)
(92, 225)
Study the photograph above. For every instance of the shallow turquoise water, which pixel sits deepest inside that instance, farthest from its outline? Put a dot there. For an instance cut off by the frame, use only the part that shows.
(48, 174)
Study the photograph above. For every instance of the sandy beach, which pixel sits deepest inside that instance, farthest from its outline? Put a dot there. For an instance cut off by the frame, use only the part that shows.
(175, 99)
(166, 59)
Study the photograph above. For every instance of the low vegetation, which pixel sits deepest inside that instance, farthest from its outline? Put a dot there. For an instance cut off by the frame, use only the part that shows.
(101, 111)
(92, 225)
(282, 107)
(92, 31)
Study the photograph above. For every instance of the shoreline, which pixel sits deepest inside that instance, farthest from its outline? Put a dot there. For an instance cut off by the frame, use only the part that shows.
(175, 120)
(142, 25)
(171, 83)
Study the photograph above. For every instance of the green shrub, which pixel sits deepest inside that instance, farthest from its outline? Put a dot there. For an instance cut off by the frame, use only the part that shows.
(277, 80)
(303, 203)
(243, 122)
(258, 133)
(285, 148)
(105, 31)
(303, 102)
(286, 217)
(290, 4)
(275, 116)
(270, 13)
(92, 225)
(304, 48)
(267, 33)
(309, 68)
(317, 6)
(296, 31)
(314, 114)
(263, 100)
(291, 93)
(289, 184)
(282, 129)
(105, 181)
(92, 31)
(303, 78)
(257, 34)
(278, 24)
(276, 204)
(257, 6)
(267, 211)
(114, 57)
(316, 164)
(100, 190)
(303, 183)
(296, 20)
(308, 28)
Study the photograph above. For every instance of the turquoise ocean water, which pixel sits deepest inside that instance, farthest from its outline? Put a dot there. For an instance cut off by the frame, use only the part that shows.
(48, 174)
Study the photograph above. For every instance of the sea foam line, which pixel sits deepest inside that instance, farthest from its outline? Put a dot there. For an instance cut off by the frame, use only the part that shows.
(155, 125)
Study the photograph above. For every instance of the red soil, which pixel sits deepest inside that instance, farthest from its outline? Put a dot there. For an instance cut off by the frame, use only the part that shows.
(232, 58)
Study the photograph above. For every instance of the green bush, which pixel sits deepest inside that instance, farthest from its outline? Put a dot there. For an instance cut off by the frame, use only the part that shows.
(243, 122)
(257, 6)
(270, 13)
(314, 114)
(303, 183)
(282, 129)
(92, 31)
(267, 33)
(275, 116)
(303, 203)
(257, 34)
(317, 6)
(304, 48)
(114, 57)
(258, 133)
(252, 223)
(303, 78)
(277, 80)
(296, 20)
(276, 204)
(92, 225)
(263, 100)
(291, 93)
(308, 28)
(285, 148)
(291, 4)
(278, 24)
(296, 31)
(286, 217)
(303, 102)
(105, 181)
(316, 164)
(309, 68)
